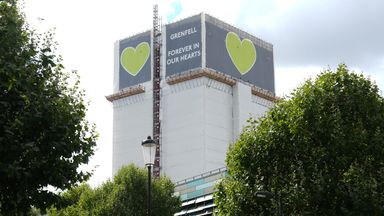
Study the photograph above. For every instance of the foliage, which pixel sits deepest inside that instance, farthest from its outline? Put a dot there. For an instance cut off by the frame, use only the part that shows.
(44, 136)
(125, 195)
(320, 151)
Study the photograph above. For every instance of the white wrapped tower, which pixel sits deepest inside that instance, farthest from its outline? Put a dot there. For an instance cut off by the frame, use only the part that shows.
(213, 78)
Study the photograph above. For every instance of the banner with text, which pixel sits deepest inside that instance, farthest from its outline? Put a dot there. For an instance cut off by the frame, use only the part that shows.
(183, 45)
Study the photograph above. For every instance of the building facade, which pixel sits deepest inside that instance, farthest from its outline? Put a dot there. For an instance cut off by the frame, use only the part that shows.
(214, 76)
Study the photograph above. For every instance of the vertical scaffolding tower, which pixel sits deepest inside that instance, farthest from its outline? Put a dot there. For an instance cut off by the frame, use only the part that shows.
(156, 88)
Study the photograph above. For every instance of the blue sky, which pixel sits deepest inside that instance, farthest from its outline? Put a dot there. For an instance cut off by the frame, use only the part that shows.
(175, 11)
(308, 36)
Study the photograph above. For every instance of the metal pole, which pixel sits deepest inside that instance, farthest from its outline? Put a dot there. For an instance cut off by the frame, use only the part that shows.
(149, 190)
(280, 207)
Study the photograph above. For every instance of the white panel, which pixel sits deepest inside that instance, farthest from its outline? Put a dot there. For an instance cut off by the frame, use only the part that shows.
(182, 132)
(241, 107)
(259, 109)
(196, 127)
(246, 105)
(218, 127)
(132, 123)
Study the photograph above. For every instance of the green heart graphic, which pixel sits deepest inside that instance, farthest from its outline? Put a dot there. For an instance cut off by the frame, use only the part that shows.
(242, 53)
(133, 59)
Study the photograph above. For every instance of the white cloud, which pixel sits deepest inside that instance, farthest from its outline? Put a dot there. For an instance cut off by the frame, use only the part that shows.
(289, 78)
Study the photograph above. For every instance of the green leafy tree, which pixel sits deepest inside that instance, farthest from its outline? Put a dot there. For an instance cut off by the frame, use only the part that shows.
(44, 136)
(321, 152)
(125, 195)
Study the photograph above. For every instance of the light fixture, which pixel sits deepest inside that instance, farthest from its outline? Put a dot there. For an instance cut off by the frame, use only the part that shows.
(149, 151)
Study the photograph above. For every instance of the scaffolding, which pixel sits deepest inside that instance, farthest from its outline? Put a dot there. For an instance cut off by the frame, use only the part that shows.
(156, 88)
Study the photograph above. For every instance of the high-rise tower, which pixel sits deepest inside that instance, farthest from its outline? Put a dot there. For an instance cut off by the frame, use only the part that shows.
(212, 77)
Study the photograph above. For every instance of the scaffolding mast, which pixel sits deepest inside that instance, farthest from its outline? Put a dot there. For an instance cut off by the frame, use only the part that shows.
(156, 88)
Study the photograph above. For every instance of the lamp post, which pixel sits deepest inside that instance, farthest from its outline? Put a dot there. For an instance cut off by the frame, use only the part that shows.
(149, 151)
(269, 195)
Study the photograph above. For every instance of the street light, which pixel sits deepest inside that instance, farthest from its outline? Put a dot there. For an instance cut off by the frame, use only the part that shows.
(269, 195)
(149, 151)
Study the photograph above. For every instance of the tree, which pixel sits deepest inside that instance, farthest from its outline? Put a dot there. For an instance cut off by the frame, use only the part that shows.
(44, 136)
(125, 195)
(321, 152)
